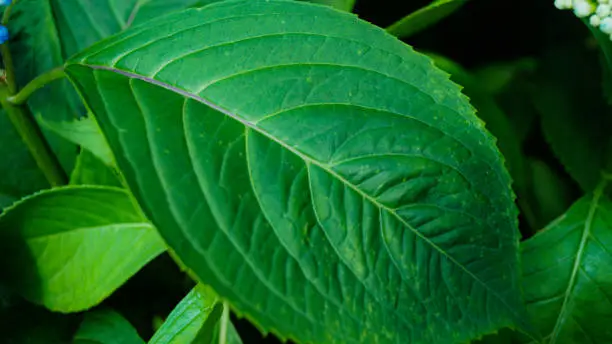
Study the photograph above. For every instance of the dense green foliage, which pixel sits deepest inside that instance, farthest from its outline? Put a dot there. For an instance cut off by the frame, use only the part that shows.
(289, 163)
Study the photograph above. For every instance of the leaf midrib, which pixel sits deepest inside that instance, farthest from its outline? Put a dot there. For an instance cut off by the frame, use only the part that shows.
(120, 226)
(597, 194)
(307, 159)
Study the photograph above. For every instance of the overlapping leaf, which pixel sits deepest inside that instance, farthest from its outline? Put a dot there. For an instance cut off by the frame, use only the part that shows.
(89, 170)
(189, 317)
(424, 17)
(85, 133)
(567, 279)
(74, 245)
(46, 32)
(328, 181)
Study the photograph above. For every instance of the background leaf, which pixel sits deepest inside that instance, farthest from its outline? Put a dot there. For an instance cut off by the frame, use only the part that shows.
(326, 180)
(188, 318)
(566, 274)
(85, 133)
(90, 170)
(68, 248)
(106, 326)
(575, 120)
(36, 49)
(46, 32)
(424, 17)
(19, 173)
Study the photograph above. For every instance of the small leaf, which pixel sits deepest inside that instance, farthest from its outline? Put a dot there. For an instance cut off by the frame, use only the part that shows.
(90, 170)
(424, 17)
(232, 336)
(106, 327)
(85, 133)
(69, 248)
(496, 77)
(327, 181)
(566, 273)
(188, 318)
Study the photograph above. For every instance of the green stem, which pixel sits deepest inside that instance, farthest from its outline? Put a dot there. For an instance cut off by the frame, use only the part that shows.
(7, 12)
(224, 322)
(30, 133)
(38, 82)
(9, 70)
(6, 54)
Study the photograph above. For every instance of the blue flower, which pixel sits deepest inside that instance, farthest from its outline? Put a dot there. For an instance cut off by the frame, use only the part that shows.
(5, 2)
(4, 34)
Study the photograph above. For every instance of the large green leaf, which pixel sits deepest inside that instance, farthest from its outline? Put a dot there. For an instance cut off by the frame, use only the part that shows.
(188, 318)
(424, 17)
(68, 248)
(106, 326)
(321, 176)
(566, 271)
(495, 120)
(19, 174)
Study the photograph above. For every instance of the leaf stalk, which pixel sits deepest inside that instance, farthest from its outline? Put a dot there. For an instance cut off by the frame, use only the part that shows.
(36, 84)
(32, 136)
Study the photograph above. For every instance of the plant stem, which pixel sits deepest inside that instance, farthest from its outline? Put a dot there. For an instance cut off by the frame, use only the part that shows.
(22, 119)
(38, 82)
(7, 12)
(30, 133)
(223, 326)
(6, 54)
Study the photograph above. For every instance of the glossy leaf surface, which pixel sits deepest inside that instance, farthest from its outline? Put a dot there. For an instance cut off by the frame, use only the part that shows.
(321, 176)
(74, 245)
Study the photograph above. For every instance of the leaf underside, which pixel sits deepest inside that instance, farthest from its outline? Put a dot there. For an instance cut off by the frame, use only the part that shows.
(325, 179)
